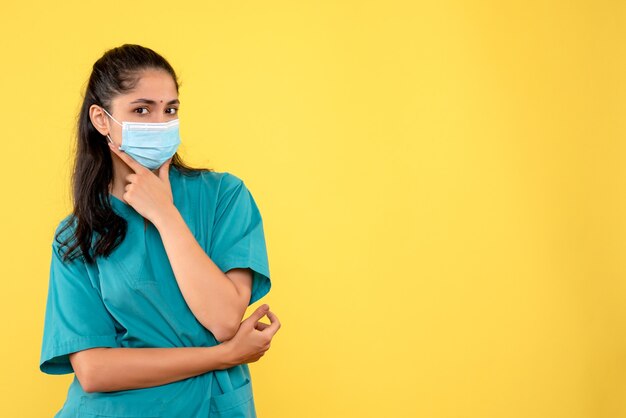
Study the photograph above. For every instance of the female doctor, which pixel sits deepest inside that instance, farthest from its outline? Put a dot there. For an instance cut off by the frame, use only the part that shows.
(152, 272)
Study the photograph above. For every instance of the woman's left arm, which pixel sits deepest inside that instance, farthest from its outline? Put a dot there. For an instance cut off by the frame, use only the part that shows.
(217, 299)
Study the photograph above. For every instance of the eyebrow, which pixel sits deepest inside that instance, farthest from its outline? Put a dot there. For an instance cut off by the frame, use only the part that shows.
(152, 102)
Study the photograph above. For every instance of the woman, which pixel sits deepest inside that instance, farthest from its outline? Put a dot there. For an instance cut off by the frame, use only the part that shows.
(153, 270)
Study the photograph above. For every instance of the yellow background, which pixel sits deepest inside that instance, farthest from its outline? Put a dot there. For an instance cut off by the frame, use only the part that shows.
(442, 186)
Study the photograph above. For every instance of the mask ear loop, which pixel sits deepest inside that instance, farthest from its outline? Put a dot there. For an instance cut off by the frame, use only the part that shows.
(108, 137)
(111, 116)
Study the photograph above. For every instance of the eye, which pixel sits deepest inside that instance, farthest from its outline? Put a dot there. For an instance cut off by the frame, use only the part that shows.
(139, 108)
(175, 110)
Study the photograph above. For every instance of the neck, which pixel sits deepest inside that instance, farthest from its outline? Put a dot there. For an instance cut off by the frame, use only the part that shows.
(120, 171)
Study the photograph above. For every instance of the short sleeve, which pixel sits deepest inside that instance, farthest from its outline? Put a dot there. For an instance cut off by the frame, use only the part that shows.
(237, 237)
(75, 318)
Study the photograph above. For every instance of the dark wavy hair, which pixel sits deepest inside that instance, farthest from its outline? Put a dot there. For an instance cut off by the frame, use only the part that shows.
(116, 72)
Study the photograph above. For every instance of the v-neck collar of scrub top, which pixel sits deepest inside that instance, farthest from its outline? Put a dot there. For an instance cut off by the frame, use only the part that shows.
(120, 205)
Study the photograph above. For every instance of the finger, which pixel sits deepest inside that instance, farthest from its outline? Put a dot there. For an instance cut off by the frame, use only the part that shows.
(261, 326)
(275, 325)
(132, 163)
(164, 171)
(258, 313)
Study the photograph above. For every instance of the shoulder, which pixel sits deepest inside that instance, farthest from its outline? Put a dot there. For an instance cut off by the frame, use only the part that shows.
(230, 194)
(221, 183)
(222, 180)
(213, 191)
(64, 229)
(215, 181)
(64, 237)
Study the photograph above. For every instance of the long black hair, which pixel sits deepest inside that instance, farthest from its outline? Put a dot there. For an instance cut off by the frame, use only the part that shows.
(116, 72)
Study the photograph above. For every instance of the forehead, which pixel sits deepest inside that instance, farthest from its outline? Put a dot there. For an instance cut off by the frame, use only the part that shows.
(152, 84)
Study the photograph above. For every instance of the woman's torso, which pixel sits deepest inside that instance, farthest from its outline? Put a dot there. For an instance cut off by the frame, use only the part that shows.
(139, 289)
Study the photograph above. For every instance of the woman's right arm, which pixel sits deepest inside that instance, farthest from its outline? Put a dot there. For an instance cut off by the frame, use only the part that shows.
(106, 369)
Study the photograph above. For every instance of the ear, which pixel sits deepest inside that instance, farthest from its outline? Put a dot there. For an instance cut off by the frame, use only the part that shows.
(99, 119)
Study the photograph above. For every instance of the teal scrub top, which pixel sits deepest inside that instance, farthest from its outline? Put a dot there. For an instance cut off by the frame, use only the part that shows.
(132, 299)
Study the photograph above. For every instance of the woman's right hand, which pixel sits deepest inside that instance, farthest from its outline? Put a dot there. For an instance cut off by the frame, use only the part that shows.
(253, 337)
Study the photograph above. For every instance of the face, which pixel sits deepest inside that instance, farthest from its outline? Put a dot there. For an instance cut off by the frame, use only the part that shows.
(154, 99)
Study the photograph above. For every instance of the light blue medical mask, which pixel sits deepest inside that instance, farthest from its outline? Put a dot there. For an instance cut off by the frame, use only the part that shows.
(149, 143)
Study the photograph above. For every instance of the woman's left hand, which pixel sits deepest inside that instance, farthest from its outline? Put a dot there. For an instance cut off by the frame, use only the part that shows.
(149, 194)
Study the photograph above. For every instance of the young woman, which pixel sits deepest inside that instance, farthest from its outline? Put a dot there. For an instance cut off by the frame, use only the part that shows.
(152, 272)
